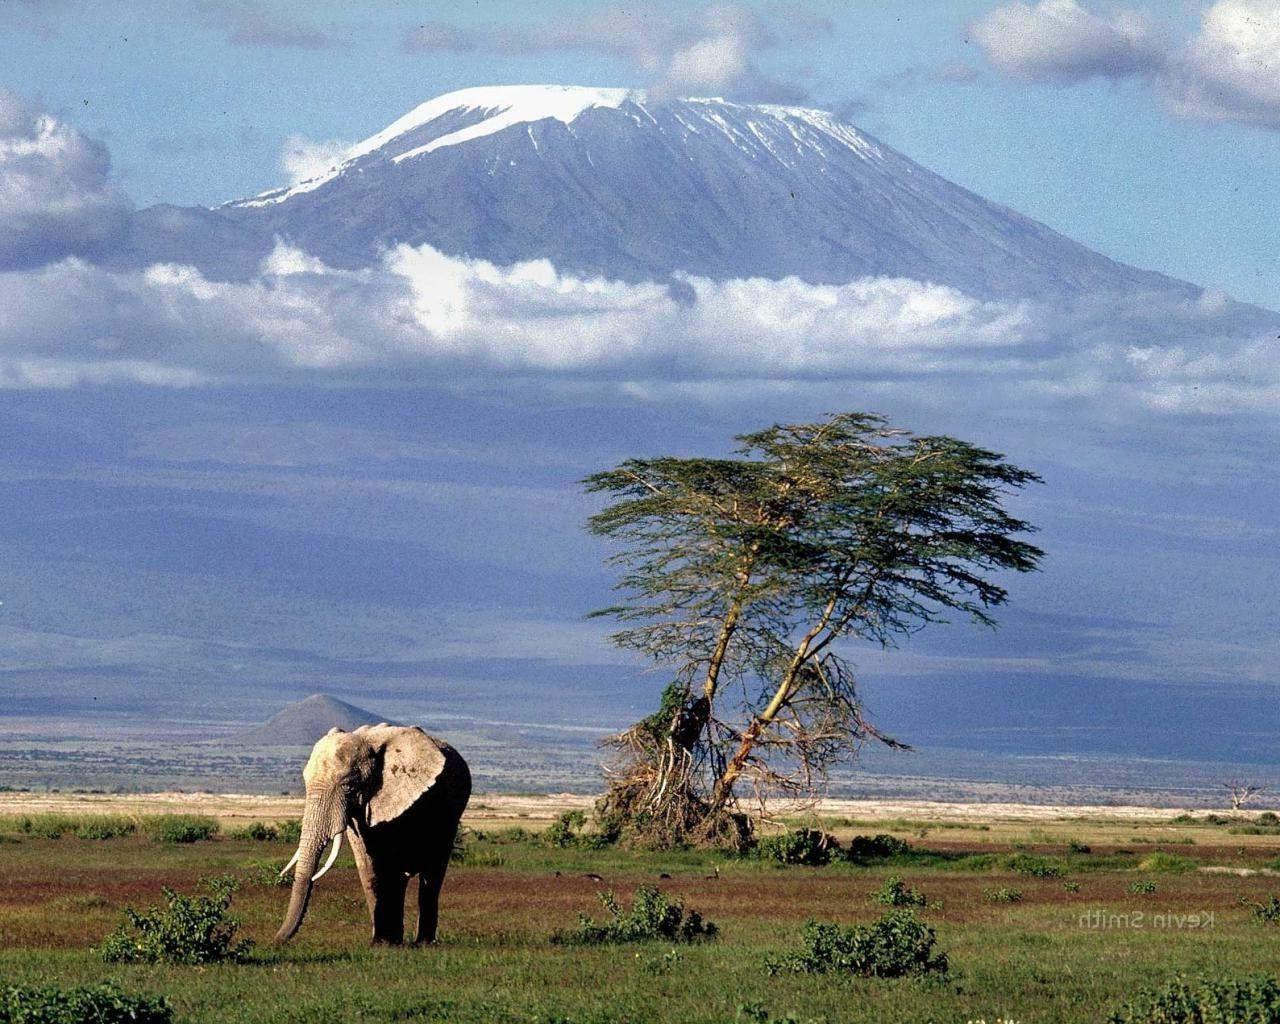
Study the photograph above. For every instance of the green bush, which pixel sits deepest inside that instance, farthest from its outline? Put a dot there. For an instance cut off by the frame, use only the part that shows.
(181, 828)
(896, 893)
(897, 944)
(1075, 846)
(98, 1004)
(1143, 887)
(1268, 818)
(1034, 867)
(809, 846)
(257, 831)
(290, 831)
(566, 830)
(1002, 894)
(1267, 913)
(1166, 862)
(1249, 1000)
(92, 826)
(862, 849)
(652, 916)
(186, 930)
(105, 826)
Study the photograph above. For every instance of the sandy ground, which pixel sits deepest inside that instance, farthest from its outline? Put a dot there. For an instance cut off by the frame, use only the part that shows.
(512, 809)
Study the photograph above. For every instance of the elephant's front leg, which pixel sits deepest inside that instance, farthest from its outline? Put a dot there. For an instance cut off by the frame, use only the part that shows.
(388, 906)
(364, 867)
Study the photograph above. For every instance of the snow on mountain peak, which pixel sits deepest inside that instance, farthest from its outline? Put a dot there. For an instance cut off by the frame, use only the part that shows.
(469, 114)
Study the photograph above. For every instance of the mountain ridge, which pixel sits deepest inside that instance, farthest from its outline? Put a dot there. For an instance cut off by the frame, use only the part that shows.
(610, 184)
(303, 722)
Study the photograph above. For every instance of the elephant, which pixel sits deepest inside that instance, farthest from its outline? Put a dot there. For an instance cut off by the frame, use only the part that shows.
(398, 794)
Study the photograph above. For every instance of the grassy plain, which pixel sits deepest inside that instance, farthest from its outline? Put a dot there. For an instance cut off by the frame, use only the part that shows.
(1069, 949)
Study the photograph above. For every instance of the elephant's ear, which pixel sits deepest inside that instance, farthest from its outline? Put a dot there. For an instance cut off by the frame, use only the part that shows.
(411, 763)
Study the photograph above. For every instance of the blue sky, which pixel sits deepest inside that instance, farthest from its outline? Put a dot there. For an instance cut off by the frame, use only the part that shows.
(195, 101)
(221, 493)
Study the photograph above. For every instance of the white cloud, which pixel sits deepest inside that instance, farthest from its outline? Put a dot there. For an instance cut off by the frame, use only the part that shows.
(1062, 41)
(303, 159)
(422, 315)
(56, 193)
(1231, 70)
(677, 51)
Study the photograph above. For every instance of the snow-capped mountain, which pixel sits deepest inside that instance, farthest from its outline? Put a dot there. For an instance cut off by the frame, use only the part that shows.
(606, 182)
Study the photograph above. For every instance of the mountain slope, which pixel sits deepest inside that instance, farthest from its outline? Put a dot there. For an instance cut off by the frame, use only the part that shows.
(304, 722)
(608, 183)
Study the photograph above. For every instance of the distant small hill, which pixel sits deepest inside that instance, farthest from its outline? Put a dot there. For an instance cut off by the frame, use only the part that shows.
(303, 723)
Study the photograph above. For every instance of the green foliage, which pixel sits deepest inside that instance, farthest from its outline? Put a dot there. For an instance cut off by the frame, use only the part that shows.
(1142, 887)
(258, 832)
(867, 849)
(1035, 867)
(186, 930)
(181, 828)
(91, 826)
(1249, 1000)
(758, 1013)
(1268, 818)
(808, 846)
(897, 944)
(1002, 894)
(1071, 886)
(652, 916)
(896, 893)
(290, 831)
(97, 1004)
(1075, 846)
(1267, 913)
(570, 830)
(1166, 862)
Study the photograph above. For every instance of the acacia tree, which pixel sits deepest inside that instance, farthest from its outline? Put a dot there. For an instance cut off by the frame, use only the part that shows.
(740, 576)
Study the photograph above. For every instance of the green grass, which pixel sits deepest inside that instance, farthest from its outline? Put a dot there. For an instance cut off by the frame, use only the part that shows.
(1038, 959)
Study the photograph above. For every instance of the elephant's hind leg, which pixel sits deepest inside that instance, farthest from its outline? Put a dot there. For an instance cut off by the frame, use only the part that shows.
(429, 883)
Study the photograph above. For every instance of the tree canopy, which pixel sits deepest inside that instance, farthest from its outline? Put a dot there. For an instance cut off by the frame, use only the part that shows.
(741, 575)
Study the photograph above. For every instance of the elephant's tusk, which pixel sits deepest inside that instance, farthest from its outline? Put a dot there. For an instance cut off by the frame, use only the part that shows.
(296, 854)
(333, 855)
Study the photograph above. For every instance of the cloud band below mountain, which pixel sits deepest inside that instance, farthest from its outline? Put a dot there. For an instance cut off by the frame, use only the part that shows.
(424, 315)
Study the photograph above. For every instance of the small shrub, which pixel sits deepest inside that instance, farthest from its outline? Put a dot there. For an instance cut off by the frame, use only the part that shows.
(105, 826)
(808, 846)
(897, 944)
(878, 847)
(1144, 887)
(1166, 862)
(1268, 818)
(290, 831)
(564, 831)
(266, 873)
(258, 832)
(652, 916)
(1267, 913)
(1071, 886)
(181, 828)
(99, 1004)
(45, 826)
(1034, 867)
(758, 1013)
(1075, 846)
(187, 930)
(896, 893)
(1002, 894)
(1254, 999)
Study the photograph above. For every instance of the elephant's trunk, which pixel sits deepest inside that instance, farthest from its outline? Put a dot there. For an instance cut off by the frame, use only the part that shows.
(321, 820)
